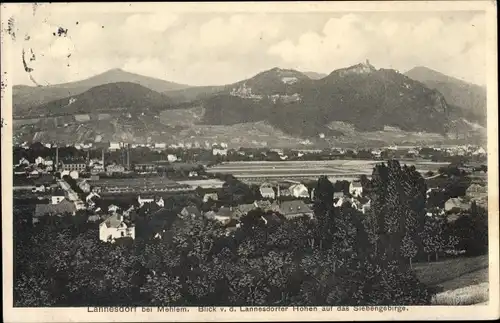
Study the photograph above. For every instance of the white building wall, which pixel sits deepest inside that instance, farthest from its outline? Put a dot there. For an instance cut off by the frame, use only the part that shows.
(57, 199)
(115, 233)
(300, 191)
(355, 191)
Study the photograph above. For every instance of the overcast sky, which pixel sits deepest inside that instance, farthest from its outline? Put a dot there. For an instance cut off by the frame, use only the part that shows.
(200, 48)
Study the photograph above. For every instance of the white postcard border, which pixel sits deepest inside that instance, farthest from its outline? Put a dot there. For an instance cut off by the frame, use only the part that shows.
(489, 311)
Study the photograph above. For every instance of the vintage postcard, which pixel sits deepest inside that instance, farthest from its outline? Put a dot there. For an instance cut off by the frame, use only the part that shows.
(271, 161)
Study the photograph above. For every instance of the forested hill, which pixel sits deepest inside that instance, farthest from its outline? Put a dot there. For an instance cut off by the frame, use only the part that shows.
(124, 97)
(361, 95)
(470, 97)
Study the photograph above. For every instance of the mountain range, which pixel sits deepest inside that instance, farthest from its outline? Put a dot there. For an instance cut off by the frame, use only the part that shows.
(26, 98)
(470, 97)
(295, 104)
(119, 97)
(361, 95)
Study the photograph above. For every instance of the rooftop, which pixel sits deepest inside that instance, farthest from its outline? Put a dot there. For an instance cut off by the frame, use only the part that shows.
(192, 210)
(267, 190)
(294, 207)
(73, 162)
(64, 206)
(225, 212)
(357, 184)
(58, 192)
(114, 221)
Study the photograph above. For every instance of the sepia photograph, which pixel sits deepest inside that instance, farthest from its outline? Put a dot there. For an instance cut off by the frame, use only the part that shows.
(235, 161)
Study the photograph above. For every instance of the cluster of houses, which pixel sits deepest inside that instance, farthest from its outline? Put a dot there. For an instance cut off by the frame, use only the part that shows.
(274, 210)
(65, 200)
(117, 223)
(221, 149)
(158, 146)
(464, 150)
(34, 168)
(474, 193)
(455, 206)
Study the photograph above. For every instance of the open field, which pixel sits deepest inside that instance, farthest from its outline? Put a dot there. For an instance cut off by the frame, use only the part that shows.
(454, 273)
(294, 169)
(470, 295)
(391, 135)
(464, 281)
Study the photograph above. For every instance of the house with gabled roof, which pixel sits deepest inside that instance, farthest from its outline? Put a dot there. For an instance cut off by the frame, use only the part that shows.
(84, 185)
(190, 211)
(114, 228)
(456, 205)
(59, 209)
(355, 188)
(476, 191)
(294, 209)
(210, 196)
(39, 160)
(113, 208)
(244, 209)
(224, 215)
(24, 161)
(267, 191)
(299, 191)
(57, 196)
(341, 200)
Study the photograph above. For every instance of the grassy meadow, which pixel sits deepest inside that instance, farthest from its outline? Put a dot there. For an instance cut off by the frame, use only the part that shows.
(463, 281)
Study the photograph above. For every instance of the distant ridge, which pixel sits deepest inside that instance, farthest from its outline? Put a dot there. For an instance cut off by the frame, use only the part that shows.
(315, 75)
(360, 94)
(470, 97)
(289, 101)
(26, 98)
(123, 97)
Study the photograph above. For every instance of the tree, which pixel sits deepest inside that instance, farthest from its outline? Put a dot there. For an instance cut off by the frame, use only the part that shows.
(432, 237)
(366, 184)
(450, 170)
(236, 192)
(324, 190)
(398, 208)
(471, 231)
(409, 248)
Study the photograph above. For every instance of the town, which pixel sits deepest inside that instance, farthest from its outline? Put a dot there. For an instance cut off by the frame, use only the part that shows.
(119, 186)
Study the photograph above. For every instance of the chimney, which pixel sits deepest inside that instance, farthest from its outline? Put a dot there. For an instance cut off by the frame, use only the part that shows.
(103, 157)
(128, 156)
(57, 158)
